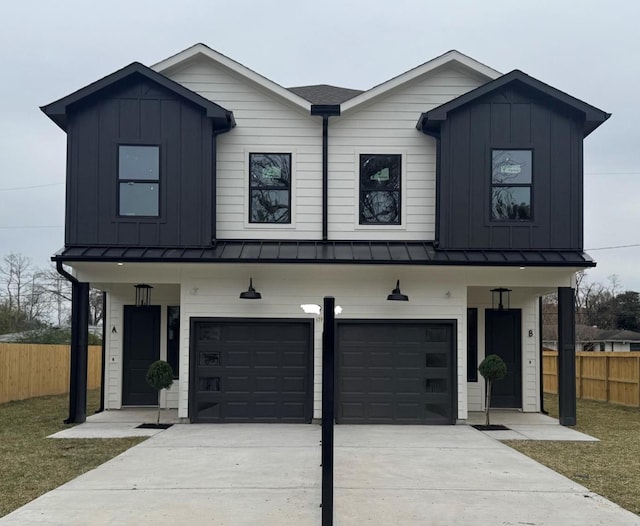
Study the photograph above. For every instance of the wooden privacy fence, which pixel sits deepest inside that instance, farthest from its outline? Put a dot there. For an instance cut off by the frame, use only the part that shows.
(29, 370)
(606, 376)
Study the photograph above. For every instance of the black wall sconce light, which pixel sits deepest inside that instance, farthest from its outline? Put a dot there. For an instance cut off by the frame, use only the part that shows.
(396, 295)
(250, 293)
(497, 294)
(143, 294)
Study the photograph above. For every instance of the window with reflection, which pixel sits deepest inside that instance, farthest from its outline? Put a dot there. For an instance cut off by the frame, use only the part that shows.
(173, 338)
(511, 183)
(380, 177)
(270, 188)
(139, 181)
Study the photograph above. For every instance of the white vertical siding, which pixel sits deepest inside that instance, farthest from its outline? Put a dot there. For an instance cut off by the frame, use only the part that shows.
(267, 124)
(388, 125)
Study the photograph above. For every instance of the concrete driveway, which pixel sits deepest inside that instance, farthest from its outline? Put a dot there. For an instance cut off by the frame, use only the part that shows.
(237, 475)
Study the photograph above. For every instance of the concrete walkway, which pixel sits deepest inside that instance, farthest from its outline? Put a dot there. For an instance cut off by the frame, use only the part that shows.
(241, 475)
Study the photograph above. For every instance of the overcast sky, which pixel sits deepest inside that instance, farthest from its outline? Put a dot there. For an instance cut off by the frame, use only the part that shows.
(589, 49)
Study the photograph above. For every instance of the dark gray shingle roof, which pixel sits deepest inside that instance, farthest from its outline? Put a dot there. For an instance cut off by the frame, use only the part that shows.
(325, 94)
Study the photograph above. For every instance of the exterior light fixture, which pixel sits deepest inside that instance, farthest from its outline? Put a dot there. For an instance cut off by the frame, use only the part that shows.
(250, 293)
(143, 294)
(498, 293)
(396, 295)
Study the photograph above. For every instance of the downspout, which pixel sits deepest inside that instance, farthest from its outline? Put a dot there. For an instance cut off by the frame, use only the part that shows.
(79, 347)
(325, 178)
(220, 126)
(64, 273)
(325, 111)
(436, 132)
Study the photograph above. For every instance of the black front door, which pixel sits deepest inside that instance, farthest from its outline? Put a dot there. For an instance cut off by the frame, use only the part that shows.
(503, 336)
(141, 347)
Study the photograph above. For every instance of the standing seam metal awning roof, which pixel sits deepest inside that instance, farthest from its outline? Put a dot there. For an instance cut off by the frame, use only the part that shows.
(342, 252)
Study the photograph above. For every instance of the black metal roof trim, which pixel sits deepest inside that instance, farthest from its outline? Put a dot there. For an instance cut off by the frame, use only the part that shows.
(430, 121)
(57, 111)
(338, 252)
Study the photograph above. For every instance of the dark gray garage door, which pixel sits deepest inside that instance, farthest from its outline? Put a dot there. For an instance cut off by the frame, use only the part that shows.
(250, 371)
(396, 372)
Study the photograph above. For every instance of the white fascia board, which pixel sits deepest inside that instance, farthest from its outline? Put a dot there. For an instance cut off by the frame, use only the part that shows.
(236, 67)
(450, 57)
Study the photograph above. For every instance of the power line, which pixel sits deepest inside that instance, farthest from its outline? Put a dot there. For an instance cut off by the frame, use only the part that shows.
(614, 247)
(611, 173)
(29, 187)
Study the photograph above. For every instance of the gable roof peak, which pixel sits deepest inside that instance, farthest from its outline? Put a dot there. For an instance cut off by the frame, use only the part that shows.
(450, 57)
(199, 49)
(57, 110)
(431, 121)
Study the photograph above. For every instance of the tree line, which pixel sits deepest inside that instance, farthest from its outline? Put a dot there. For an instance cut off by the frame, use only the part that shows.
(36, 302)
(602, 305)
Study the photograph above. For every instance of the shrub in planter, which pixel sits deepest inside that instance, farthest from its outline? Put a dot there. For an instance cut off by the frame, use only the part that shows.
(492, 368)
(160, 376)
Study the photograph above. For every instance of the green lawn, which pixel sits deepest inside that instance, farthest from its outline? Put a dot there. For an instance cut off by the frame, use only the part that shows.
(32, 464)
(610, 467)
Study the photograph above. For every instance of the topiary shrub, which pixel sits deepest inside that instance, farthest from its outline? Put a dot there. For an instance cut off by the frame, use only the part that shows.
(492, 368)
(160, 376)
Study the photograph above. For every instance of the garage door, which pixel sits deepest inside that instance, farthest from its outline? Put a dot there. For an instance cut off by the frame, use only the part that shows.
(396, 372)
(250, 371)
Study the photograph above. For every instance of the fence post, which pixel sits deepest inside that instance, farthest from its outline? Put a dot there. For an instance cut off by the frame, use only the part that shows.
(606, 377)
(580, 376)
(638, 377)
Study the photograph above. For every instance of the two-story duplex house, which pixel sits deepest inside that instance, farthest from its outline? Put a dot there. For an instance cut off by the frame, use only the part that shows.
(436, 207)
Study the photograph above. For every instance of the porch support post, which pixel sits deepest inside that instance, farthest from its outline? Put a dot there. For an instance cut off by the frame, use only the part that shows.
(566, 356)
(79, 352)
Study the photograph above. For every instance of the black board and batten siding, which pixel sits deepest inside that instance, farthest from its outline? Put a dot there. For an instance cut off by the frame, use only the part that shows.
(137, 111)
(511, 118)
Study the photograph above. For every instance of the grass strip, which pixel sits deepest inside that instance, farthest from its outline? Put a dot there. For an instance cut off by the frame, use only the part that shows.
(33, 464)
(610, 467)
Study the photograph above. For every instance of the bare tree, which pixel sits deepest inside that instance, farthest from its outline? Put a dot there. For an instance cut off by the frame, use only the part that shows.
(58, 291)
(95, 306)
(24, 304)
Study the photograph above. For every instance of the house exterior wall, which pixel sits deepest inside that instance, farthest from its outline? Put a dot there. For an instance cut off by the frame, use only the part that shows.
(609, 346)
(265, 124)
(387, 125)
(208, 292)
(511, 118)
(213, 290)
(139, 112)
